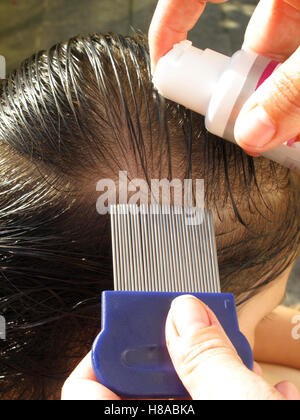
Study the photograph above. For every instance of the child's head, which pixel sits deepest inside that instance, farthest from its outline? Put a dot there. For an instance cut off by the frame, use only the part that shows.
(84, 111)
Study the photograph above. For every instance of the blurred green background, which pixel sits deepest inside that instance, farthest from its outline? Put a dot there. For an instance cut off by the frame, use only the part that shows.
(27, 26)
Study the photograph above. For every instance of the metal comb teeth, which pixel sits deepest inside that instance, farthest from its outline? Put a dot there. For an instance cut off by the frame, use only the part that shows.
(163, 249)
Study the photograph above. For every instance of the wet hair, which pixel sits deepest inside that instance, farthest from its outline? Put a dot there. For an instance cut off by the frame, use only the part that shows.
(80, 112)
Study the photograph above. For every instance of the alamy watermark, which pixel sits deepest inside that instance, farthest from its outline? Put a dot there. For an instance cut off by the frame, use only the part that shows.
(296, 329)
(2, 67)
(187, 194)
(2, 328)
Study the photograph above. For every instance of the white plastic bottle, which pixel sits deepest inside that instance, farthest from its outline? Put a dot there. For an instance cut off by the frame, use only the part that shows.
(217, 86)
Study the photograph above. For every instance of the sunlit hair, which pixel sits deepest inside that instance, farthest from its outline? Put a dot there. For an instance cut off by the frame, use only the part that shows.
(77, 113)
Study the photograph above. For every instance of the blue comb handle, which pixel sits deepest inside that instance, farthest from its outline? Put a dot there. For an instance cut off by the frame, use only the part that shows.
(130, 356)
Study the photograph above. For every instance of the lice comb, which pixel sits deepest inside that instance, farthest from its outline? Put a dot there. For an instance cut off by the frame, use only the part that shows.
(159, 253)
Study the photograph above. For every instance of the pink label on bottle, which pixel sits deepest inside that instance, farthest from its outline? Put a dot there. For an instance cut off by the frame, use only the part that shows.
(291, 142)
(267, 72)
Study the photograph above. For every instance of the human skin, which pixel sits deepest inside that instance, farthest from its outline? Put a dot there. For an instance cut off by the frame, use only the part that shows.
(271, 116)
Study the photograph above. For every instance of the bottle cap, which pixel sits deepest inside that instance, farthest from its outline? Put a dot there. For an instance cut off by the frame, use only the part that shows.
(187, 75)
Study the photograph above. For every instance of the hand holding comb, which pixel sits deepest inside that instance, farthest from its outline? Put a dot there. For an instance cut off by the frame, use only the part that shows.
(159, 253)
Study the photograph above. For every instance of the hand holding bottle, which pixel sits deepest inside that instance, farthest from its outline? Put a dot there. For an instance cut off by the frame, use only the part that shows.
(271, 116)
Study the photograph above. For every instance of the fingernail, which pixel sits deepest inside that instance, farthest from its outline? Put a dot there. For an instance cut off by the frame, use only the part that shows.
(288, 390)
(255, 130)
(189, 313)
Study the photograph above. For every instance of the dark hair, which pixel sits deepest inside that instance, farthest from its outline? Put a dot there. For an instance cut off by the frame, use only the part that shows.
(82, 111)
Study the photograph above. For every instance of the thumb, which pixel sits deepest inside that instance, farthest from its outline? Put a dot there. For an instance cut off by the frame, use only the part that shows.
(271, 116)
(204, 358)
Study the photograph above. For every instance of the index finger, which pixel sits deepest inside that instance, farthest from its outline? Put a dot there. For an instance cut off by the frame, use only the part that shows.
(171, 22)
